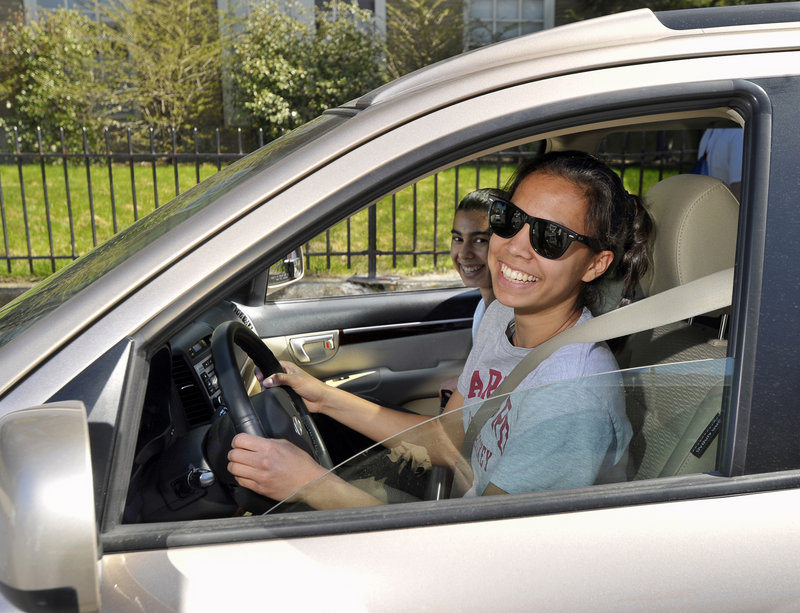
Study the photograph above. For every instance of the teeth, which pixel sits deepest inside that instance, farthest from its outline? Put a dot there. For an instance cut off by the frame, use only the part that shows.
(470, 269)
(516, 275)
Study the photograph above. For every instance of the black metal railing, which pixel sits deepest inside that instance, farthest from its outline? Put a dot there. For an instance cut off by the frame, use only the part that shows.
(58, 202)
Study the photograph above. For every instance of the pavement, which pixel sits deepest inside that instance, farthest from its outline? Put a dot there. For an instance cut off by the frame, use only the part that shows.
(312, 286)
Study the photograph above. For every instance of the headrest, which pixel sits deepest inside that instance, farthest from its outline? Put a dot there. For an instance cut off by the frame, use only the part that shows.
(695, 218)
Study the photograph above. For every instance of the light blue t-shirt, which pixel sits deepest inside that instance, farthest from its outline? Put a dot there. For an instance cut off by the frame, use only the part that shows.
(476, 319)
(557, 433)
(723, 150)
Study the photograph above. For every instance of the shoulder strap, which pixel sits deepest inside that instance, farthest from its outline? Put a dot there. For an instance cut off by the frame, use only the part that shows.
(703, 295)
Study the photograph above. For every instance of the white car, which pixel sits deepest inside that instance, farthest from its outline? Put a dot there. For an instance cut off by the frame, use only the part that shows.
(112, 495)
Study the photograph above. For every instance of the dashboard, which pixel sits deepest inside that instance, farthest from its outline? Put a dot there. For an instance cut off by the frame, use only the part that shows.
(171, 477)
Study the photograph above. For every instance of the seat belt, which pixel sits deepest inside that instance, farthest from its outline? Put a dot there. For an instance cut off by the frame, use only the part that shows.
(704, 295)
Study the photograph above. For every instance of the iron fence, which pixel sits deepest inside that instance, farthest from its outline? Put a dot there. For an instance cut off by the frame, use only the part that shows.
(56, 203)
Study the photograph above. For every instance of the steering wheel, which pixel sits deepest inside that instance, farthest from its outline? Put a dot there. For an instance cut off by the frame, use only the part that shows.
(275, 413)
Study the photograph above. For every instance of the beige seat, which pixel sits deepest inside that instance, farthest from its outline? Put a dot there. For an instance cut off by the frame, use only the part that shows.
(695, 219)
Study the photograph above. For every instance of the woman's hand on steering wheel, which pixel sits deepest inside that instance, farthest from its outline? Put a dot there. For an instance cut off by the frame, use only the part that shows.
(315, 393)
(274, 468)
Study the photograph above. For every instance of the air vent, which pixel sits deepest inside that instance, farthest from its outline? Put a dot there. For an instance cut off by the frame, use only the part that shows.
(195, 405)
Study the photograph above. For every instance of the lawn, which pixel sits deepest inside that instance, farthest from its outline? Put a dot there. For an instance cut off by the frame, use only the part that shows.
(68, 212)
(424, 228)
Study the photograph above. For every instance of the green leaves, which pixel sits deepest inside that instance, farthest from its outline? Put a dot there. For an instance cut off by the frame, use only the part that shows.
(288, 65)
(51, 75)
(421, 32)
(150, 63)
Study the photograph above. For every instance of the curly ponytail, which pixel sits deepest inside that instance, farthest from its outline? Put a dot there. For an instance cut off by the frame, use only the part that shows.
(634, 262)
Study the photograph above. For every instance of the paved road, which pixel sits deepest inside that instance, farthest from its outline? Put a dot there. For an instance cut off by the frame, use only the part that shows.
(313, 286)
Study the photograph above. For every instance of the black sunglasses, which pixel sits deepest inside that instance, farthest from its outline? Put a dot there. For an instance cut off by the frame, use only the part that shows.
(549, 239)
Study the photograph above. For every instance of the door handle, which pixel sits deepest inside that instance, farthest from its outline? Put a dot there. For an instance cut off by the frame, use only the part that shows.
(315, 348)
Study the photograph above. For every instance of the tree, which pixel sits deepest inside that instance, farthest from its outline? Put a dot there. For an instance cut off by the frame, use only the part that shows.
(57, 72)
(287, 66)
(421, 32)
(173, 59)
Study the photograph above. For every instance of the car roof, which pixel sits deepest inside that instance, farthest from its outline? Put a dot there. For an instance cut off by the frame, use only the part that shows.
(605, 41)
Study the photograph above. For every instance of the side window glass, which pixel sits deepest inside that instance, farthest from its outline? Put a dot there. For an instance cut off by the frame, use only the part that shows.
(635, 424)
(402, 242)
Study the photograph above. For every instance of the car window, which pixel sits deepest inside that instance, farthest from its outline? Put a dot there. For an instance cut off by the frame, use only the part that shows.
(402, 241)
(627, 425)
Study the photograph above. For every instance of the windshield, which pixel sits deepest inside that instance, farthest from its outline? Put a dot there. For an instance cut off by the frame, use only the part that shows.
(604, 428)
(61, 286)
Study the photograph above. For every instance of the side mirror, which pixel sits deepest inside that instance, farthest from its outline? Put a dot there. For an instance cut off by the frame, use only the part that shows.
(286, 271)
(48, 558)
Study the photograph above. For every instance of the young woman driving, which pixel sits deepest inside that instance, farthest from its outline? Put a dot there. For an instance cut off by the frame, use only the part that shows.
(569, 221)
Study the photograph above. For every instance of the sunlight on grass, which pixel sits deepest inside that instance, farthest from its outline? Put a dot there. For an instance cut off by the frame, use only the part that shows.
(69, 212)
(82, 216)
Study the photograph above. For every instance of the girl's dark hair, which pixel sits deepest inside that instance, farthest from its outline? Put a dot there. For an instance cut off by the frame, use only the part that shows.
(616, 218)
(480, 199)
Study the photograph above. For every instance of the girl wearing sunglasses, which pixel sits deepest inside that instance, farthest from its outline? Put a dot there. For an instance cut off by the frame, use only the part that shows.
(568, 223)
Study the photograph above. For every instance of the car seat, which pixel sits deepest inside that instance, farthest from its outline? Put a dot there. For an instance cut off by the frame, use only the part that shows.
(695, 221)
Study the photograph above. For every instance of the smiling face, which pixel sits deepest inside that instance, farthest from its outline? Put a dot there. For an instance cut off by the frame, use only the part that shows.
(530, 283)
(469, 248)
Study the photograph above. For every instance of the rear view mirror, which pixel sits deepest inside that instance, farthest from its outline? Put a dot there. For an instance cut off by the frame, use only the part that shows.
(48, 558)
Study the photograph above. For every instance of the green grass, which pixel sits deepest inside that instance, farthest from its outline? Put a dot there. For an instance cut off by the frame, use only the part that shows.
(75, 230)
(425, 229)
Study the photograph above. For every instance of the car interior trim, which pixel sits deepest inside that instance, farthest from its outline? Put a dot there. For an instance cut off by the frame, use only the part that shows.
(377, 333)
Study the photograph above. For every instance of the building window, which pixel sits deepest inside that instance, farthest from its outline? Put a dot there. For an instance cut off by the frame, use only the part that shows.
(494, 20)
(33, 8)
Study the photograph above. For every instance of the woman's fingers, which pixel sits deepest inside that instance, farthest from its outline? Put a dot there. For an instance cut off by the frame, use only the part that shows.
(273, 467)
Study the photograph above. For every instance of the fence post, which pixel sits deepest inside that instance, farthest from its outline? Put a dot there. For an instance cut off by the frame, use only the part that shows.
(3, 211)
(133, 176)
(175, 161)
(65, 161)
(24, 203)
(89, 186)
(414, 227)
(196, 155)
(47, 215)
(372, 242)
(109, 157)
(153, 165)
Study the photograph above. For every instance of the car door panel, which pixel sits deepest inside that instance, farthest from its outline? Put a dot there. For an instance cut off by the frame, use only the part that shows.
(367, 570)
(394, 347)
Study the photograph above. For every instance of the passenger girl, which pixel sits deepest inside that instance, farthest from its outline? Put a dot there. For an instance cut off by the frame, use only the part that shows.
(469, 246)
(568, 224)
(469, 250)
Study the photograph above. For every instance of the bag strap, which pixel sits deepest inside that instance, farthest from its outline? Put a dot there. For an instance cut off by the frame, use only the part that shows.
(703, 295)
